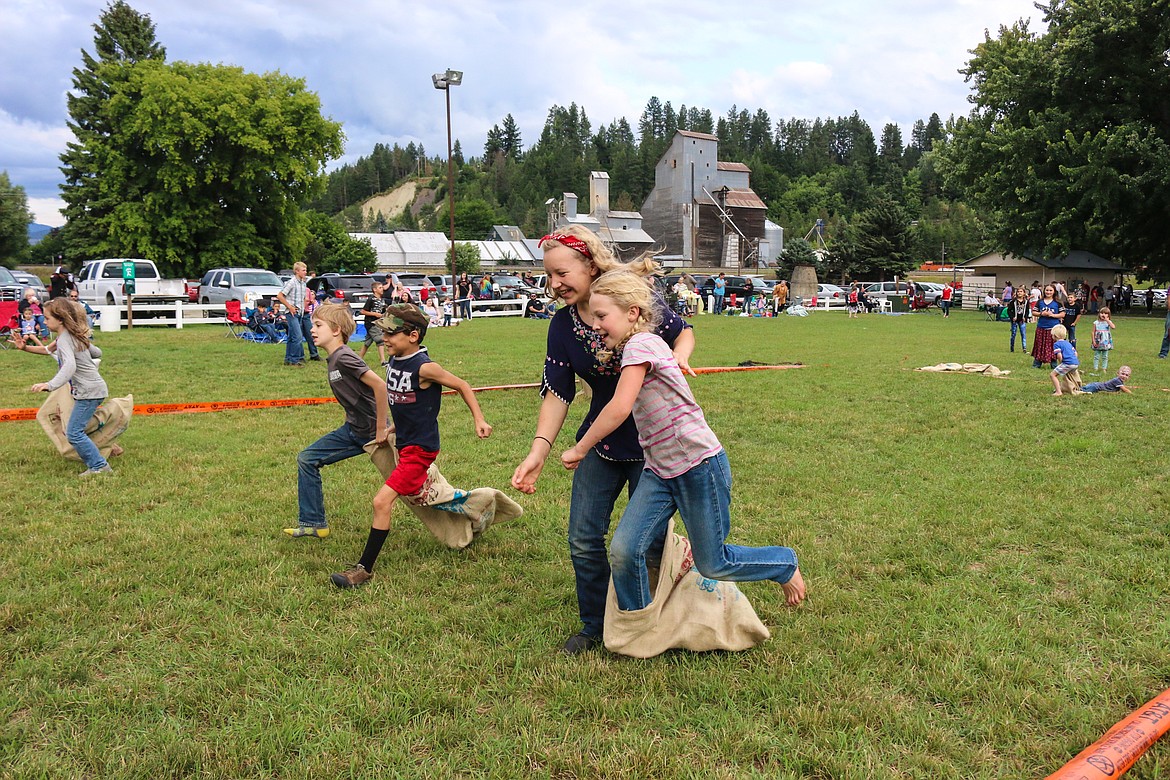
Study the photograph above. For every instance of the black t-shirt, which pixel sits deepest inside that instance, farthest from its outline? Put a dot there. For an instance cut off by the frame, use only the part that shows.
(355, 396)
(533, 307)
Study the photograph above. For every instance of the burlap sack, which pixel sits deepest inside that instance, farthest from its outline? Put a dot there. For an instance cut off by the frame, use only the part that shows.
(455, 517)
(688, 611)
(1071, 382)
(106, 425)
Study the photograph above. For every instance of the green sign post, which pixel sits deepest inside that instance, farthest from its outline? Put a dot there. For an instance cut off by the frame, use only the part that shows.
(128, 287)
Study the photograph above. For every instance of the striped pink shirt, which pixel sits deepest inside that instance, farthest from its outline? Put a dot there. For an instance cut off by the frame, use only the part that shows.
(671, 427)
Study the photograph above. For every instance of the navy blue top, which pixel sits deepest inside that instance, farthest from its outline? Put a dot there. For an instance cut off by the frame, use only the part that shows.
(572, 352)
(1053, 307)
(415, 411)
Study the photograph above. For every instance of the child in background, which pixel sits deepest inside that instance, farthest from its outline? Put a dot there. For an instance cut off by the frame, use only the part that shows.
(1069, 361)
(361, 393)
(28, 324)
(414, 385)
(1115, 385)
(373, 310)
(686, 467)
(1102, 339)
(448, 312)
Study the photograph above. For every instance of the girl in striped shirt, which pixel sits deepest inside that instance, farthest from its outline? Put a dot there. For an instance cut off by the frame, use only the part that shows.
(686, 468)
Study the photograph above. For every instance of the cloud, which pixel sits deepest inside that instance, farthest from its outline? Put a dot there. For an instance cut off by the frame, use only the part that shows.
(370, 61)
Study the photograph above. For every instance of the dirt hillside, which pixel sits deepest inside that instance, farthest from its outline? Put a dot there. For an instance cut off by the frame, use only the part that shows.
(392, 203)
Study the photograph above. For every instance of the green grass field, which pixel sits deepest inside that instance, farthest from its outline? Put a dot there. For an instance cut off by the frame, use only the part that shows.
(986, 564)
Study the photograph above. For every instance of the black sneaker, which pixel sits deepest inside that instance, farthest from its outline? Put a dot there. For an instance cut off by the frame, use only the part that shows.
(580, 643)
(353, 577)
(315, 357)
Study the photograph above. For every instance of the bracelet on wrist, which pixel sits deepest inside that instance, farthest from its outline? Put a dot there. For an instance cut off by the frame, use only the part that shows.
(547, 441)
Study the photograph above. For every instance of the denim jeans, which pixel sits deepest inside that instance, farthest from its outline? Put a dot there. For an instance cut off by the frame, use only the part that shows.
(299, 327)
(330, 448)
(1165, 339)
(718, 305)
(702, 497)
(597, 483)
(1023, 327)
(83, 409)
(465, 308)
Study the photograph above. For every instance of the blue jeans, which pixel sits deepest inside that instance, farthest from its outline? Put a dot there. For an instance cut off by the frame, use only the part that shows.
(464, 308)
(299, 326)
(718, 304)
(1023, 328)
(83, 409)
(597, 483)
(330, 448)
(702, 497)
(1165, 338)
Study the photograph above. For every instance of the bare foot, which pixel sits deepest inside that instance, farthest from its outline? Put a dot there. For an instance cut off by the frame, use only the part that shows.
(794, 589)
(115, 451)
(1058, 393)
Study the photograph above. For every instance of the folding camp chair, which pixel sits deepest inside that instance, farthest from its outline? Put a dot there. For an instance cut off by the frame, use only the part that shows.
(9, 321)
(237, 323)
(919, 303)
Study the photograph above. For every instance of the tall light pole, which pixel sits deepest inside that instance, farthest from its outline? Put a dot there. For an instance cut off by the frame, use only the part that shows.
(444, 81)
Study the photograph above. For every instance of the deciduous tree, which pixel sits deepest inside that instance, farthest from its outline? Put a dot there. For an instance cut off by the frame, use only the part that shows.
(14, 219)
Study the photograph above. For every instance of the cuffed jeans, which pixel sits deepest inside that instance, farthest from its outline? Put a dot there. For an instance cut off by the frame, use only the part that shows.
(330, 448)
(702, 497)
(83, 410)
(299, 329)
(597, 483)
(1023, 328)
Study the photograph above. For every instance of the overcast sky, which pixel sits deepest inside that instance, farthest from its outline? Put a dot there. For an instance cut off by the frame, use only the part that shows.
(371, 62)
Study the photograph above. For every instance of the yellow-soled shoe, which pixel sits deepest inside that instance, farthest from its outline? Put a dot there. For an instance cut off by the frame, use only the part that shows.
(317, 532)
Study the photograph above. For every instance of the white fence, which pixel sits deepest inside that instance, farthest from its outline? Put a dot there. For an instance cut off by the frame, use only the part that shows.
(178, 314)
(111, 319)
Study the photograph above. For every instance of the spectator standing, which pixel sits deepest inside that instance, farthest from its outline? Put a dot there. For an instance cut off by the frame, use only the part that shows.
(1019, 312)
(720, 291)
(1102, 339)
(1048, 314)
(60, 285)
(779, 297)
(1150, 299)
(948, 292)
(294, 296)
(1009, 292)
(372, 311)
(463, 289)
(1072, 314)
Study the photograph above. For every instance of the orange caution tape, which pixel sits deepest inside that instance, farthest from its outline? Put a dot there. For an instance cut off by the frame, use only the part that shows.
(15, 415)
(1113, 754)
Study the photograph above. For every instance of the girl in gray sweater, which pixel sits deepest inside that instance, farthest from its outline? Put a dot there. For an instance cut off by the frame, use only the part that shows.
(75, 358)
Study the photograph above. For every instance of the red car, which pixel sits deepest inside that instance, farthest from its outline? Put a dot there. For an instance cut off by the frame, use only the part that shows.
(193, 290)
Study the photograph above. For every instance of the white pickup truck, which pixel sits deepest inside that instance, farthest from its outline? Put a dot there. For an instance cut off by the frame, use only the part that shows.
(100, 283)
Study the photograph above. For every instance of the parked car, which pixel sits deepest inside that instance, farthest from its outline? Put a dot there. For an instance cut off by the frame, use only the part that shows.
(354, 289)
(763, 285)
(10, 289)
(1139, 298)
(100, 283)
(831, 291)
(33, 281)
(880, 290)
(193, 290)
(512, 287)
(246, 285)
(443, 285)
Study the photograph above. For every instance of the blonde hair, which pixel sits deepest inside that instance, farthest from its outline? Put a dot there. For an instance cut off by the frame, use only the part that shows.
(299, 266)
(340, 318)
(73, 319)
(628, 289)
(602, 261)
(1103, 310)
(1059, 332)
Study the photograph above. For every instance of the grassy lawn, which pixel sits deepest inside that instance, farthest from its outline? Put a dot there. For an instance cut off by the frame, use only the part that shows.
(987, 570)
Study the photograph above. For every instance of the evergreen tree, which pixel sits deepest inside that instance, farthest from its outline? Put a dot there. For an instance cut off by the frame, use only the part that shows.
(123, 36)
(457, 154)
(510, 139)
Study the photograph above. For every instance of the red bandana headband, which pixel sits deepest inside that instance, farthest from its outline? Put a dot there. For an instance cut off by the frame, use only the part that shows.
(572, 242)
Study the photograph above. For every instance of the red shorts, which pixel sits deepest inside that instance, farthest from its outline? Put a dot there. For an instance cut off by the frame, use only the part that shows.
(409, 476)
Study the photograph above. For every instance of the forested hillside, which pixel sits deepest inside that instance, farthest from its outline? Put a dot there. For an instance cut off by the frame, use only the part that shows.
(883, 204)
